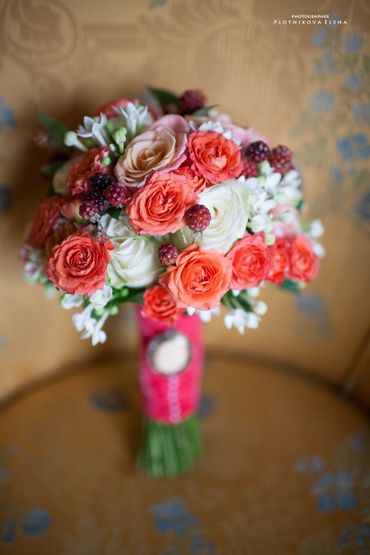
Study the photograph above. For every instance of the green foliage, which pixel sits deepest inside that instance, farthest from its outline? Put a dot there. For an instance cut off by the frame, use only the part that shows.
(292, 286)
(53, 126)
(168, 449)
(164, 97)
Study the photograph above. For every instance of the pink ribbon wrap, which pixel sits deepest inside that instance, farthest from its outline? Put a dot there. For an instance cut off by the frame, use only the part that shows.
(170, 399)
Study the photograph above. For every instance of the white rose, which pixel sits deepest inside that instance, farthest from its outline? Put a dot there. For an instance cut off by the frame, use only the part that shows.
(134, 261)
(228, 205)
(61, 175)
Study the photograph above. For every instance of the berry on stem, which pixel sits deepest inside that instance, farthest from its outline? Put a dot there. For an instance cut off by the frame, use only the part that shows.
(281, 159)
(115, 194)
(91, 208)
(249, 168)
(191, 100)
(167, 254)
(257, 152)
(198, 217)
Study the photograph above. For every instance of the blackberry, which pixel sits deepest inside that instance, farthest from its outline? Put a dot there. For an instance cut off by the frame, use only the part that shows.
(249, 168)
(115, 194)
(167, 254)
(198, 217)
(191, 100)
(257, 151)
(100, 181)
(281, 159)
(91, 208)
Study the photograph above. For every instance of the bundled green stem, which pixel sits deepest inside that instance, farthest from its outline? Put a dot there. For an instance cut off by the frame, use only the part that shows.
(169, 449)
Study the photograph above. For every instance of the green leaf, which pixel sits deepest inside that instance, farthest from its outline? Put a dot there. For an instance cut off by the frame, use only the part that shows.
(292, 286)
(164, 97)
(205, 110)
(53, 126)
(49, 169)
(114, 212)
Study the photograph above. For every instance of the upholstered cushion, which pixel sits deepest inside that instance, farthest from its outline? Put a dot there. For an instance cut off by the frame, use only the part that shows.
(285, 469)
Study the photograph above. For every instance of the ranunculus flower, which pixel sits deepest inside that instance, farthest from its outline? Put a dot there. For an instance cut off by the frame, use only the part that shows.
(159, 207)
(279, 261)
(213, 156)
(228, 205)
(160, 305)
(251, 259)
(197, 183)
(159, 149)
(62, 230)
(43, 223)
(134, 261)
(108, 107)
(85, 167)
(304, 264)
(78, 265)
(70, 207)
(199, 279)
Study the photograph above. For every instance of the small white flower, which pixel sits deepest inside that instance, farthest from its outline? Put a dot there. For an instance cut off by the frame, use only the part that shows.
(136, 118)
(290, 186)
(316, 229)
(204, 315)
(70, 301)
(90, 327)
(101, 298)
(71, 139)
(94, 128)
(260, 308)
(253, 292)
(33, 270)
(216, 126)
(240, 319)
(318, 249)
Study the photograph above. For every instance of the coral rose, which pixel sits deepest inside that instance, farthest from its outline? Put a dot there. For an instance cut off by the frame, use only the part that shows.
(78, 265)
(44, 221)
(251, 260)
(304, 264)
(159, 207)
(86, 166)
(279, 261)
(213, 156)
(160, 305)
(159, 149)
(199, 279)
(197, 183)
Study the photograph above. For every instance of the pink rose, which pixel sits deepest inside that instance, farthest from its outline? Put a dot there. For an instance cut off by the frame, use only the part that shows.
(304, 264)
(78, 265)
(159, 149)
(89, 164)
(251, 261)
(159, 207)
(160, 305)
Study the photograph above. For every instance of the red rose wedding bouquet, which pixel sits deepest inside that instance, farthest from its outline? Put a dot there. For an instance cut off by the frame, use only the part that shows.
(166, 203)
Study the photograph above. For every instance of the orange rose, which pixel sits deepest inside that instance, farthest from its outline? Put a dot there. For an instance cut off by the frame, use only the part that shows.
(159, 207)
(86, 166)
(44, 221)
(199, 279)
(160, 305)
(279, 261)
(214, 157)
(304, 264)
(251, 261)
(78, 265)
(198, 183)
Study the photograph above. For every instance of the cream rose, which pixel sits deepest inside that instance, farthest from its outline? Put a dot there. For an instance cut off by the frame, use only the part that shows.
(228, 205)
(160, 148)
(134, 260)
(61, 176)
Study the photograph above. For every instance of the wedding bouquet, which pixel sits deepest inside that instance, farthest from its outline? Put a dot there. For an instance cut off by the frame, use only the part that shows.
(166, 203)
